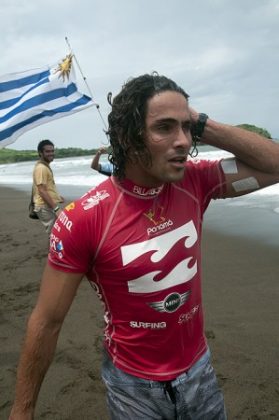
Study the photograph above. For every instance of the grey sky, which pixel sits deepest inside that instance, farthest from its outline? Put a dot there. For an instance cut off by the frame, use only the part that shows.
(224, 53)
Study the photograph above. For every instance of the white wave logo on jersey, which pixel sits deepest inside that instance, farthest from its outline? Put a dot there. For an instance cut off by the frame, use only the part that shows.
(160, 246)
(93, 200)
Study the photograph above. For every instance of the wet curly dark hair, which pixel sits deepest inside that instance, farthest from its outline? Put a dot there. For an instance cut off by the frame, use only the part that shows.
(126, 121)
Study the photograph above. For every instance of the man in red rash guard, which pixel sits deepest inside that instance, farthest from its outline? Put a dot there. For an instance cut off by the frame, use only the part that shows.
(137, 238)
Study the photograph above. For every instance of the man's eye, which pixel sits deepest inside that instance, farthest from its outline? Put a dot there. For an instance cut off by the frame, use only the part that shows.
(186, 127)
(164, 127)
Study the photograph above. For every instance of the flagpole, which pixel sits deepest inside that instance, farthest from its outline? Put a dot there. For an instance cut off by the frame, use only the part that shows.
(85, 81)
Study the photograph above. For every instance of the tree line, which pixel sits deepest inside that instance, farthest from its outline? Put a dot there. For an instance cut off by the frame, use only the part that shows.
(12, 156)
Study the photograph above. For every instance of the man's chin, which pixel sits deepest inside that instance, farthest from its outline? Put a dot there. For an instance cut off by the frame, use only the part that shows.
(174, 177)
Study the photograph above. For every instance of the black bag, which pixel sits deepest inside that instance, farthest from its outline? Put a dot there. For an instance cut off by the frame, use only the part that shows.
(32, 213)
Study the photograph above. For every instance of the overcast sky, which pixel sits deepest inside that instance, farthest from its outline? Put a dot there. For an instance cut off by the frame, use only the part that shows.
(224, 53)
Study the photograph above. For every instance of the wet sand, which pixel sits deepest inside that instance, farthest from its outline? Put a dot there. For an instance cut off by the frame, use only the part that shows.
(241, 294)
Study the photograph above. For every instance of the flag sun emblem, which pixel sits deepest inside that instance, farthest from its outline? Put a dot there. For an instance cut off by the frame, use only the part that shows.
(64, 68)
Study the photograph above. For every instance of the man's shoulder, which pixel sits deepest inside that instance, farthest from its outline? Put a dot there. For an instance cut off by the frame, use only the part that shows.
(196, 162)
(103, 193)
(41, 165)
(197, 165)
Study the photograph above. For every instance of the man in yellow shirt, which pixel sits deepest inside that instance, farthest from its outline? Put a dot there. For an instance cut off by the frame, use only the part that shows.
(45, 195)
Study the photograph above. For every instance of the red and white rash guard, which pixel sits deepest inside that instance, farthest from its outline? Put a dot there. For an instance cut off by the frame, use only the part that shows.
(140, 248)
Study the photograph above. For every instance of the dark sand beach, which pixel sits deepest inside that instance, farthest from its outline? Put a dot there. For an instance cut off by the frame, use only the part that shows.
(241, 294)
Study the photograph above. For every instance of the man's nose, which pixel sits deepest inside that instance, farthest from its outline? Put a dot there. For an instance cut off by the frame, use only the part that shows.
(183, 138)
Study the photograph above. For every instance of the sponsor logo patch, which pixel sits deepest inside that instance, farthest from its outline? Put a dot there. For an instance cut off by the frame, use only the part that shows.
(158, 220)
(65, 221)
(155, 216)
(148, 325)
(70, 206)
(183, 318)
(158, 249)
(56, 246)
(171, 303)
(146, 191)
(161, 226)
(93, 200)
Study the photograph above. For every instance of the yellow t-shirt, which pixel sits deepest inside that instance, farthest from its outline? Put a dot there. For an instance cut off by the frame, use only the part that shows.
(42, 175)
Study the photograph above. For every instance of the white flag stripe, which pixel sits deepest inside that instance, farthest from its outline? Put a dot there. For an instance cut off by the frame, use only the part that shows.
(7, 92)
(34, 97)
(30, 112)
(41, 110)
(31, 91)
(23, 74)
(41, 121)
(33, 118)
(11, 97)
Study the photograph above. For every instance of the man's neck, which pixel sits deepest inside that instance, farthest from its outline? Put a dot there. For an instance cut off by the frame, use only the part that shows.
(44, 162)
(136, 176)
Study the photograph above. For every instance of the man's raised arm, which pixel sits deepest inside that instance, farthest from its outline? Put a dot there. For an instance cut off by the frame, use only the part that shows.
(257, 158)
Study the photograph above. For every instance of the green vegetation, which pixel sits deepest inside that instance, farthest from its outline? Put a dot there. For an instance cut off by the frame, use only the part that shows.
(11, 156)
(262, 131)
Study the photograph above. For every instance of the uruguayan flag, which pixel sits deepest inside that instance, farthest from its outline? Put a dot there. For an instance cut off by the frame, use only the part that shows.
(38, 96)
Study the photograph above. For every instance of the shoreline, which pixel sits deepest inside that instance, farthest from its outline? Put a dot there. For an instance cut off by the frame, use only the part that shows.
(240, 290)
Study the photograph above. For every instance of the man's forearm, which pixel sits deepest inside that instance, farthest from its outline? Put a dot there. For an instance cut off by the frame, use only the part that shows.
(36, 356)
(95, 162)
(47, 199)
(256, 151)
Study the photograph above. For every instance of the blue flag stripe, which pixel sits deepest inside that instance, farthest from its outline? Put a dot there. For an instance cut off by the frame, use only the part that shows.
(35, 97)
(23, 81)
(40, 99)
(49, 113)
(10, 102)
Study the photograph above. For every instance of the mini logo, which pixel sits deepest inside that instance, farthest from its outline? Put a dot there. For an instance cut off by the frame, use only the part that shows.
(171, 303)
(93, 200)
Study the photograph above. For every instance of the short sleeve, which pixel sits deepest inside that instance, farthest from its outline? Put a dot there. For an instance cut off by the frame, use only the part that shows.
(71, 246)
(207, 179)
(40, 175)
